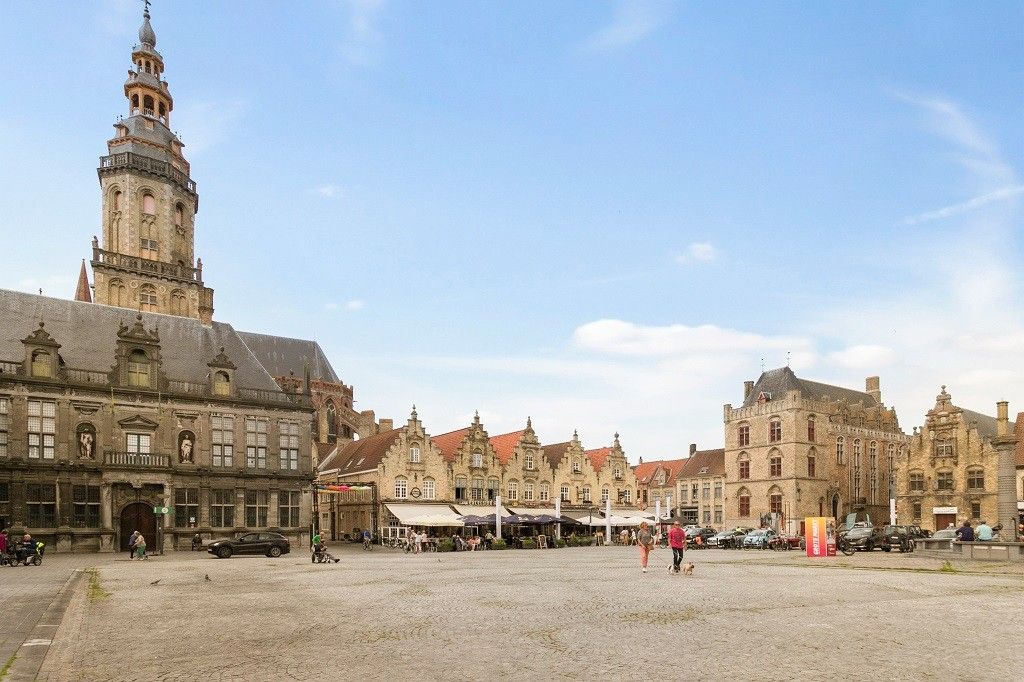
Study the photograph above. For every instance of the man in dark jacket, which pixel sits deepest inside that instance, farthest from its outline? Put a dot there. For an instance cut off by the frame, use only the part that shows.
(965, 533)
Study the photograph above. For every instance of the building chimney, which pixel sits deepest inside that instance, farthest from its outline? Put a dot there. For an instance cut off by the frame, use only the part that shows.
(1002, 418)
(693, 449)
(385, 425)
(748, 388)
(872, 386)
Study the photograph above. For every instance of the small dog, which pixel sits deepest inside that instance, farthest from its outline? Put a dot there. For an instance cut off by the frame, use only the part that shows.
(687, 569)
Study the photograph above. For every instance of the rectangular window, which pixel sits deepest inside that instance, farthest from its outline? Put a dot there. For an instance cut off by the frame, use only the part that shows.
(5, 503)
(461, 484)
(545, 492)
(5, 424)
(944, 481)
(256, 506)
(604, 495)
(744, 507)
(943, 449)
(706, 490)
(493, 486)
(513, 490)
(975, 510)
(85, 508)
(477, 491)
(916, 483)
(744, 435)
(401, 488)
(42, 425)
(586, 493)
(775, 504)
(707, 516)
(744, 469)
(810, 429)
(527, 492)
(256, 443)
(627, 496)
(718, 514)
(810, 467)
(222, 439)
(775, 431)
(718, 490)
(288, 508)
(137, 443)
(41, 505)
(289, 442)
(428, 489)
(916, 508)
(775, 466)
(150, 249)
(186, 507)
(976, 479)
(222, 508)
(693, 492)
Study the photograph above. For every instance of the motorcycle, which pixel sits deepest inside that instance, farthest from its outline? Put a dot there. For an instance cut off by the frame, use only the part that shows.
(843, 545)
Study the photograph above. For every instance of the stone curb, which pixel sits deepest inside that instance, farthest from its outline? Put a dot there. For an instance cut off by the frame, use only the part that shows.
(33, 650)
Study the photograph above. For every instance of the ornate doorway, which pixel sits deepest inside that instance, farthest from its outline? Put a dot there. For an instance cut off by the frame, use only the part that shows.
(138, 516)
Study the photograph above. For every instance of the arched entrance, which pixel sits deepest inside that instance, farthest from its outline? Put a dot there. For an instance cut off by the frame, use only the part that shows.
(835, 506)
(138, 516)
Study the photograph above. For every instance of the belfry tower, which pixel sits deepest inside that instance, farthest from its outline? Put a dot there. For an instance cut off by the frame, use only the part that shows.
(147, 257)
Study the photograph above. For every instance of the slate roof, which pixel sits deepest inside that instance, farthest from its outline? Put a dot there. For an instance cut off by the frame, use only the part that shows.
(448, 443)
(597, 457)
(361, 455)
(555, 453)
(503, 445)
(778, 381)
(986, 424)
(282, 356)
(87, 333)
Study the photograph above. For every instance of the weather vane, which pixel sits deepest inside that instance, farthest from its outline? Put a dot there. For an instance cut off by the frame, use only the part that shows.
(147, 3)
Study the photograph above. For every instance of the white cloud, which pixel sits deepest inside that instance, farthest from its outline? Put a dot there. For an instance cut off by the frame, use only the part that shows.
(361, 41)
(330, 191)
(698, 251)
(632, 21)
(207, 123)
(331, 307)
(866, 357)
(1000, 194)
(355, 304)
(627, 338)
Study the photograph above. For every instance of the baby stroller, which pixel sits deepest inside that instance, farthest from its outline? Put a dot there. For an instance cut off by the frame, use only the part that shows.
(321, 555)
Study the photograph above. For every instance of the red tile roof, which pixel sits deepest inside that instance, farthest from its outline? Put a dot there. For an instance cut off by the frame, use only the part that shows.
(363, 454)
(449, 443)
(597, 457)
(504, 444)
(645, 472)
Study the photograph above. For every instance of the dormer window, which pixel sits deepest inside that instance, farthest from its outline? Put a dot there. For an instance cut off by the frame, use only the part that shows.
(221, 384)
(138, 369)
(414, 454)
(42, 364)
(528, 461)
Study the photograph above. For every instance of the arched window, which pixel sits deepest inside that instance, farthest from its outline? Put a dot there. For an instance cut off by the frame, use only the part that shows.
(179, 303)
(428, 489)
(135, 104)
(179, 215)
(414, 454)
(892, 463)
(117, 294)
(477, 459)
(744, 503)
(775, 430)
(744, 462)
(810, 428)
(586, 493)
(221, 383)
(812, 460)
(147, 298)
(148, 204)
(138, 369)
(332, 422)
(162, 110)
(840, 447)
(401, 488)
(147, 101)
(42, 364)
(528, 460)
(115, 201)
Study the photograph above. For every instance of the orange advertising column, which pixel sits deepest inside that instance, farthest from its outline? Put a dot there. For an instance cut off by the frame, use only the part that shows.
(816, 536)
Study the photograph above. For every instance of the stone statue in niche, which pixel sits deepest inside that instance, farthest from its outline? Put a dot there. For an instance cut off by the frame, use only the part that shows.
(186, 447)
(86, 433)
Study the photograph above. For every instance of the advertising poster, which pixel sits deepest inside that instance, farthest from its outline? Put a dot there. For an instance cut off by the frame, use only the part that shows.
(816, 536)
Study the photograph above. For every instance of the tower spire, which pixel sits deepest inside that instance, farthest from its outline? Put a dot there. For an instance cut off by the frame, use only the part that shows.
(82, 291)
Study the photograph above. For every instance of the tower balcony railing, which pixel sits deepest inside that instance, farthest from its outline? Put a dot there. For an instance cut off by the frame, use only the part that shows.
(132, 161)
(146, 266)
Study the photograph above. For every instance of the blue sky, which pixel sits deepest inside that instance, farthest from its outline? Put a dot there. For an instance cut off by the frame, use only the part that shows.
(599, 214)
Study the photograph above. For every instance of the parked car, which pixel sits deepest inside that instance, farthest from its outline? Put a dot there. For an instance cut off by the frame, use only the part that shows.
(758, 539)
(865, 537)
(897, 537)
(704, 534)
(727, 539)
(945, 534)
(270, 544)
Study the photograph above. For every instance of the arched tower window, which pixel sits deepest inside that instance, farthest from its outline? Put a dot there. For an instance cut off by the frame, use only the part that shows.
(135, 105)
(147, 298)
(148, 204)
(147, 101)
(179, 303)
(116, 293)
(332, 422)
(163, 111)
(179, 215)
(138, 369)
(221, 384)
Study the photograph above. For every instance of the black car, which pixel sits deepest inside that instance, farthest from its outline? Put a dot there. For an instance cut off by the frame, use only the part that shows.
(897, 537)
(704, 534)
(863, 536)
(270, 544)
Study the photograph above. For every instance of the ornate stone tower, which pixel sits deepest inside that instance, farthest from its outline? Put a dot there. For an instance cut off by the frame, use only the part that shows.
(147, 259)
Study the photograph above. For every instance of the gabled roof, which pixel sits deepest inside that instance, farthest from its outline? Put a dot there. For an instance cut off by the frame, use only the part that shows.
(555, 453)
(987, 426)
(283, 356)
(449, 443)
(597, 457)
(324, 450)
(645, 472)
(503, 445)
(711, 460)
(361, 455)
(88, 332)
(778, 381)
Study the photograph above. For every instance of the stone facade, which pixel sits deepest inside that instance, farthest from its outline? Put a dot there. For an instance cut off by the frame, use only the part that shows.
(799, 448)
(700, 488)
(950, 473)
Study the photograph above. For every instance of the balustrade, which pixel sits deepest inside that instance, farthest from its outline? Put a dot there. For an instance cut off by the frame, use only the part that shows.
(137, 459)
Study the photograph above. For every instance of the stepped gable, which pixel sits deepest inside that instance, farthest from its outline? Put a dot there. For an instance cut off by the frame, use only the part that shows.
(361, 455)
(88, 333)
(283, 356)
(449, 443)
(777, 382)
(504, 444)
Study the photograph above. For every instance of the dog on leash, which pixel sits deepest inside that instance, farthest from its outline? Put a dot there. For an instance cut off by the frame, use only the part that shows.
(687, 569)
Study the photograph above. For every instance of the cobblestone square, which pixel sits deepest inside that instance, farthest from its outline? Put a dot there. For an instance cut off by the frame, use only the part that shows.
(582, 613)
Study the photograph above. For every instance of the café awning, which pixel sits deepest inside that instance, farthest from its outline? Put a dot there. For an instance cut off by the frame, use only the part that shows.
(478, 510)
(425, 515)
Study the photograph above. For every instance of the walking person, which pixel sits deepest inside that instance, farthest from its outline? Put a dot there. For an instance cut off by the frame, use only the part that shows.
(140, 547)
(419, 541)
(131, 544)
(677, 541)
(3, 547)
(646, 543)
